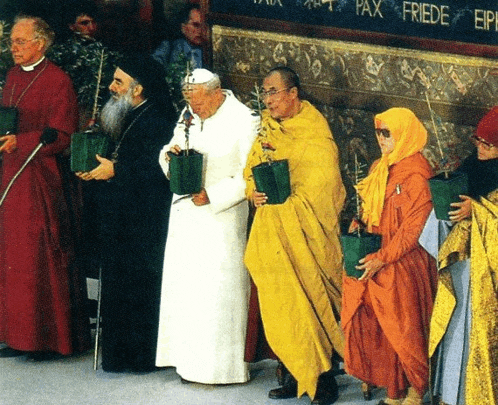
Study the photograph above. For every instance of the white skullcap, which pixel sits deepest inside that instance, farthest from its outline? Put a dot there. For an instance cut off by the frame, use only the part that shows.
(199, 76)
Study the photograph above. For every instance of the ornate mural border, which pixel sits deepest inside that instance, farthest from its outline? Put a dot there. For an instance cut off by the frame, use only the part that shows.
(218, 30)
(350, 82)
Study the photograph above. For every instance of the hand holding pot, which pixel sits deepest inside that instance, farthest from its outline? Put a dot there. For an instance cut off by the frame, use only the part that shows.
(104, 171)
(9, 143)
(258, 199)
(174, 149)
(370, 266)
(200, 198)
(464, 209)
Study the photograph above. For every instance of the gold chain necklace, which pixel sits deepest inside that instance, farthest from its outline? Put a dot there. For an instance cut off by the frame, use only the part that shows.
(114, 155)
(27, 87)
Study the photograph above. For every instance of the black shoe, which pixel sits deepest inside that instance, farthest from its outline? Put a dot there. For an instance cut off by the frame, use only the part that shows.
(288, 388)
(7, 352)
(327, 391)
(336, 365)
(43, 356)
(281, 373)
(325, 397)
(284, 392)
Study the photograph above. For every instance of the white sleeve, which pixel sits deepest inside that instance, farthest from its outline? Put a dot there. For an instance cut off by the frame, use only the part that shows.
(230, 191)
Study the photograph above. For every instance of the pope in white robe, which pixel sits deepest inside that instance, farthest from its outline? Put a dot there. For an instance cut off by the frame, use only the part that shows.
(205, 286)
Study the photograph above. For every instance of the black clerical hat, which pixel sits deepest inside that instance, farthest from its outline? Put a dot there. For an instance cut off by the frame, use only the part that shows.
(146, 71)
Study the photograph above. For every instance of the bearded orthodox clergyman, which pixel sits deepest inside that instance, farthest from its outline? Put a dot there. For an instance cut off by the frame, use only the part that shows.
(133, 197)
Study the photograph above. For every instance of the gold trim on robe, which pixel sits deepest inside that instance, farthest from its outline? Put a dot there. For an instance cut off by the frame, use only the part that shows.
(478, 238)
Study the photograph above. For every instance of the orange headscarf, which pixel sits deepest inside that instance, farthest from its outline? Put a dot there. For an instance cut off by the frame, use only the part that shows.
(410, 137)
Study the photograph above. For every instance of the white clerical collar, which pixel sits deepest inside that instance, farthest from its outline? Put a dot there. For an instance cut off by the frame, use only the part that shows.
(29, 68)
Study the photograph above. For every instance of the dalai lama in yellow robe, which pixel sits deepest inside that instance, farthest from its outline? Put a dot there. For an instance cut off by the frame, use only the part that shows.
(294, 253)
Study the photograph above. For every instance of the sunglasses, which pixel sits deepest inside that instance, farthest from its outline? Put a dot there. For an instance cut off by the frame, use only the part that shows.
(385, 133)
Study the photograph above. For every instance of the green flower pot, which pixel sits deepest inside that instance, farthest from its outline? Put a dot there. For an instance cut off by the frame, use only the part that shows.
(272, 178)
(357, 247)
(185, 172)
(8, 120)
(84, 146)
(445, 191)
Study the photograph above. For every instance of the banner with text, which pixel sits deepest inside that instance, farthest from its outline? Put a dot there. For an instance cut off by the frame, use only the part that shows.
(473, 21)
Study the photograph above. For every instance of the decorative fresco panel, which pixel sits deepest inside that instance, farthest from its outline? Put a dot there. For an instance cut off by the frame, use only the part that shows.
(351, 82)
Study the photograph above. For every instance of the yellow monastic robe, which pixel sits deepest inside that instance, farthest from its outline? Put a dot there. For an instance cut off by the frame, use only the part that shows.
(294, 253)
(478, 238)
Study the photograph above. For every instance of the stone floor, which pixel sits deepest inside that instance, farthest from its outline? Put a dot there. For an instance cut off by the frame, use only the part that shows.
(73, 381)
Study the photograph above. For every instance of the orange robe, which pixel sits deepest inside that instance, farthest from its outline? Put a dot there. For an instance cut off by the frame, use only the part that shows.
(386, 319)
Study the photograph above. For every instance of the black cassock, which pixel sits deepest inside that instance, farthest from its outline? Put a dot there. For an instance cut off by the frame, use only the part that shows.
(133, 209)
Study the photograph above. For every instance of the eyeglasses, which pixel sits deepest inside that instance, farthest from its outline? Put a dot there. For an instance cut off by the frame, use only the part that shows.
(273, 92)
(486, 145)
(20, 42)
(385, 133)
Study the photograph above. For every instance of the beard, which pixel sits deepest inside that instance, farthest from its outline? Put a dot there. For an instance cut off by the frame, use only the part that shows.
(114, 112)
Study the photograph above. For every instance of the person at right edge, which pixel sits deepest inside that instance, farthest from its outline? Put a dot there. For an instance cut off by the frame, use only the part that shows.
(386, 312)
(463, 338)
(294, 254)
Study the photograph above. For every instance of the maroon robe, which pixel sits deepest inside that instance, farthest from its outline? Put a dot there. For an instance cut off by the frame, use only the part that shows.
(35, 242)
(257, 347)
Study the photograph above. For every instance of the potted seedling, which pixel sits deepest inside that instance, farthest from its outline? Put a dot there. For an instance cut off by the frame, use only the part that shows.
(8, 120)
(445, 187)
(90, 142)
(357, 242)
(270, 176)
(186, 167)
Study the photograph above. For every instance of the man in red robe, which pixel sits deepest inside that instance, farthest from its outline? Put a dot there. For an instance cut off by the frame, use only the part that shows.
(35, 305)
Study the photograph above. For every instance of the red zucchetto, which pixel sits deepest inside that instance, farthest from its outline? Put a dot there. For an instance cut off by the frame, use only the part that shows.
(487, 128)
